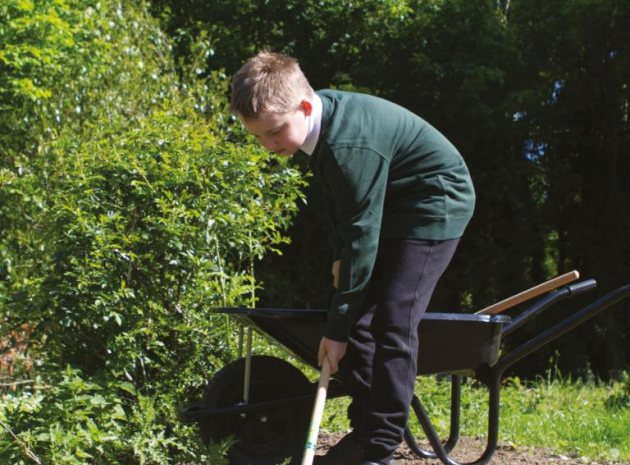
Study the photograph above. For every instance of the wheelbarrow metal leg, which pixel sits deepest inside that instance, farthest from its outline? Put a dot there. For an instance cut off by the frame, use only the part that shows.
(441, 451)
(241, 333)
(456, 390)
(248, 366)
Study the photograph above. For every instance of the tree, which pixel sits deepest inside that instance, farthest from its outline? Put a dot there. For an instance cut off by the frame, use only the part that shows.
(578, 69)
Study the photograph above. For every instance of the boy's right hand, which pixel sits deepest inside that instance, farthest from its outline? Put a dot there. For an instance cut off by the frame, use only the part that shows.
(335, 273)
(333, 351)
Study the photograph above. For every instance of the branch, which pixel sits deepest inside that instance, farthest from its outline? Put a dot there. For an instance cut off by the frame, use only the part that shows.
(29, 453)
(16, 383)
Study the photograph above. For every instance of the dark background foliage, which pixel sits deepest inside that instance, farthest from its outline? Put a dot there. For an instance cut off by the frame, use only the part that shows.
(533, 93)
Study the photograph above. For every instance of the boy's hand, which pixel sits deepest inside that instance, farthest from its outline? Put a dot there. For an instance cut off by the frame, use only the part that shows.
(333, 351)
(335, 273)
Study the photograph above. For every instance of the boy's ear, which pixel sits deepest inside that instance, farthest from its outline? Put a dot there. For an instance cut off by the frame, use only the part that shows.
(307, 107)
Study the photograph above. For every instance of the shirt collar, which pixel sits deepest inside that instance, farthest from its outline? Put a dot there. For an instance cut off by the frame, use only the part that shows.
(314, 126)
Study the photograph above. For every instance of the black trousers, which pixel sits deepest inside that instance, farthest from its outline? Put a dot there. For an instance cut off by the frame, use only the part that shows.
(379, 368)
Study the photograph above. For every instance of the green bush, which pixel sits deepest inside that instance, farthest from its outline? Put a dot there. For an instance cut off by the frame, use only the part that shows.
(75, 421)
(131, 205)
(71, 421)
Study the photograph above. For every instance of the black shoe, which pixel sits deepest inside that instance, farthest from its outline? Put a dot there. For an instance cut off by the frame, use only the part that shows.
(389, 460)
(386, 461)
(346, 452)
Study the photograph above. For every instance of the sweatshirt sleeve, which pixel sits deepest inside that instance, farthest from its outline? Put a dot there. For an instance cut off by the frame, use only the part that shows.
(333, 236)
(356, 179)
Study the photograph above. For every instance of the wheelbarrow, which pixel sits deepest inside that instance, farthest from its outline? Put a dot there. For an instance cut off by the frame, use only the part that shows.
(264, 403)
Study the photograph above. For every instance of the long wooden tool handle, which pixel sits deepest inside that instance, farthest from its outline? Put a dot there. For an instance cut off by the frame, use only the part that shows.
(530, 293)
(316, 417)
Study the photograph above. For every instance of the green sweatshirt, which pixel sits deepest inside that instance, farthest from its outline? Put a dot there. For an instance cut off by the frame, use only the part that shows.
(385, 173)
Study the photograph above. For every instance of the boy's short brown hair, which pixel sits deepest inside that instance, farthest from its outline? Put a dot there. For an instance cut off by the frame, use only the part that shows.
(268, 82)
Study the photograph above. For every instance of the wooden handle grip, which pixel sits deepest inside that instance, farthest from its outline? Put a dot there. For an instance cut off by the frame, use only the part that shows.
(316, 417)
(530, 293)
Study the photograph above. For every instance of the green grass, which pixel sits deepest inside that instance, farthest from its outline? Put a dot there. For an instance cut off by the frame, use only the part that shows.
(587, 419)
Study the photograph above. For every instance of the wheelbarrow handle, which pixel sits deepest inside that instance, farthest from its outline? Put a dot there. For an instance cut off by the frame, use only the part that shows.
(316, 417)
(543, 304)
(562, 327)
(530, 293)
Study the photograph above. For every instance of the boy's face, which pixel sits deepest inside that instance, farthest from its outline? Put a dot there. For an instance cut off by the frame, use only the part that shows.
(281, 133)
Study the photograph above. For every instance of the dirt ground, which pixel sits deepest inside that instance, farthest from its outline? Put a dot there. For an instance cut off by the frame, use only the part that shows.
(469, 450)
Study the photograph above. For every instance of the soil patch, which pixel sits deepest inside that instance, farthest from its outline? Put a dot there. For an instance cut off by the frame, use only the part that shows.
(470, 449)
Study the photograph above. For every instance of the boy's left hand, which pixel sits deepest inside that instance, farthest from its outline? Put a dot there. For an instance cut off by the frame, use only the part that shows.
(333, 351)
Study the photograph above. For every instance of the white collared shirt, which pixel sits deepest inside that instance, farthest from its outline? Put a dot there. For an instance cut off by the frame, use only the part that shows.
(314, 126)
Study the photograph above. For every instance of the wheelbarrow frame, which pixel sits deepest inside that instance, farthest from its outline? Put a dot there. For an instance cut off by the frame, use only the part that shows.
(487, 365)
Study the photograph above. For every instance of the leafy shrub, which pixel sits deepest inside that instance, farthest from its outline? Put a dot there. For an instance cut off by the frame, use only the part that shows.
(69, 421)
(130, 206)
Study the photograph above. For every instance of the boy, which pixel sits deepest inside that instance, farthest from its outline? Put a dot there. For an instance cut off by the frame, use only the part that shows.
(399, 197)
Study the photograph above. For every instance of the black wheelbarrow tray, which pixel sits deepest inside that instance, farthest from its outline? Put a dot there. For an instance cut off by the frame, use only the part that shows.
(264, 403)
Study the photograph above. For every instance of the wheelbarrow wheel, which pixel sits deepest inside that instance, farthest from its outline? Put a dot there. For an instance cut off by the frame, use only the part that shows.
(262, 437)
